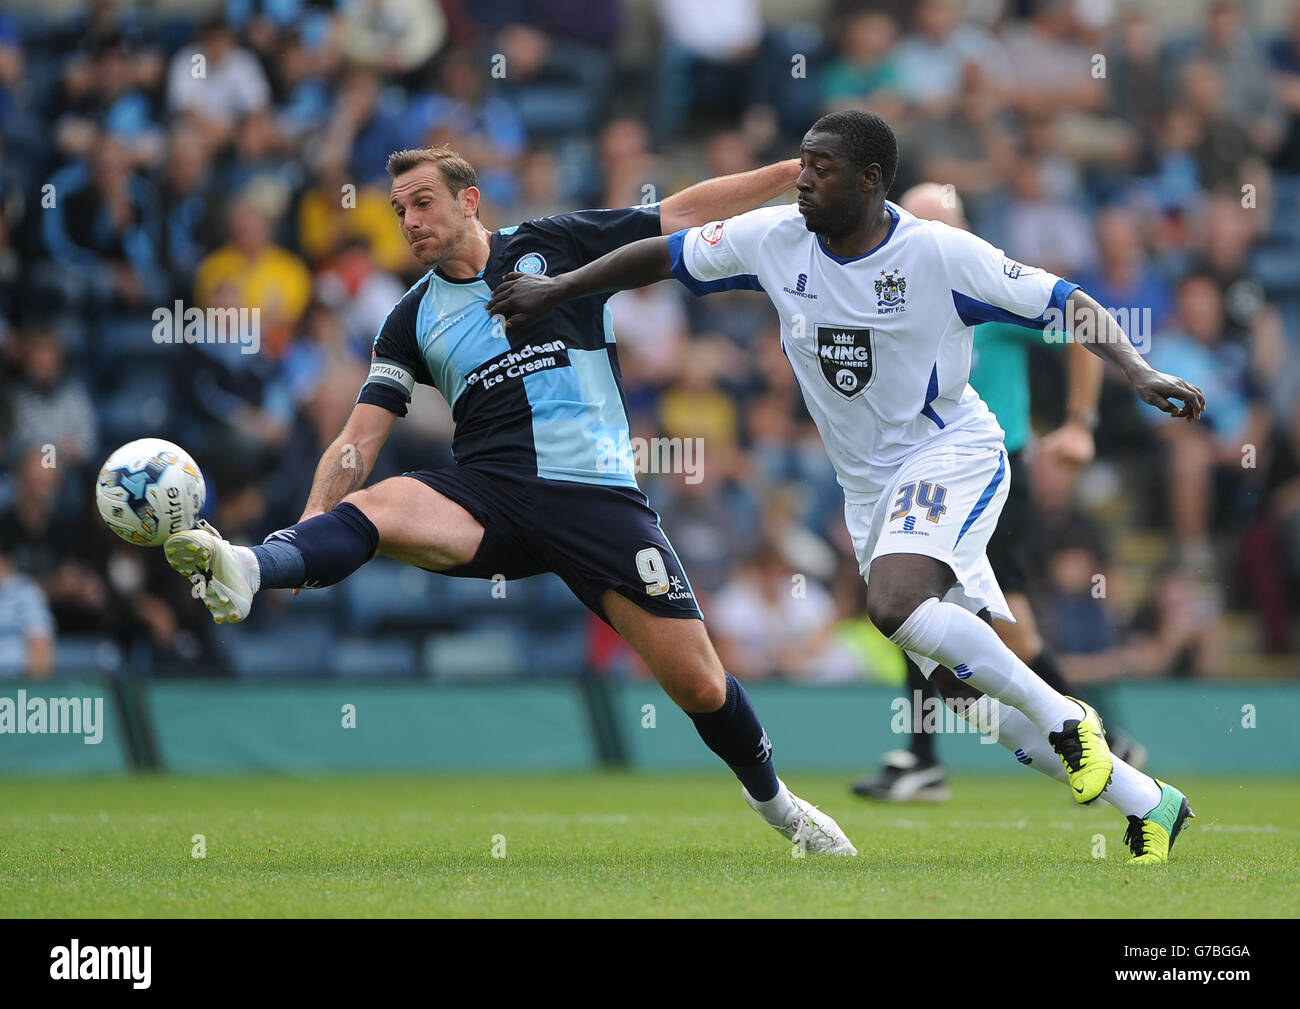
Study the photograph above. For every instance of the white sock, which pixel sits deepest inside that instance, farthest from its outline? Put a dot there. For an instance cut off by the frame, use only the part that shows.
(1131, 792)
(960, 640)
(248, 561)
(778, 809)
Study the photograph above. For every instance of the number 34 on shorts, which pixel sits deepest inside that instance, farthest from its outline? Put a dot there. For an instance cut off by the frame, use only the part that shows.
(922, 494)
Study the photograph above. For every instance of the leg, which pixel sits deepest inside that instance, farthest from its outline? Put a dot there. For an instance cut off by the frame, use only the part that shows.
(904, 600)
(401, 517)
(680, 655)
(1023, 638)
(907, 606)
(1136, 795)
(914, 774)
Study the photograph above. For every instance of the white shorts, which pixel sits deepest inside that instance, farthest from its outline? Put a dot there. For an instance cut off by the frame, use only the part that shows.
(943, 502)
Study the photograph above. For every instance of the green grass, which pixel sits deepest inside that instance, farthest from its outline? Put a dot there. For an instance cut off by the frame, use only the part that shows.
(608, 844)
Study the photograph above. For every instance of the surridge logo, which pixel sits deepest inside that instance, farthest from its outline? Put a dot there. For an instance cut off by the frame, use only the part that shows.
(798, 290)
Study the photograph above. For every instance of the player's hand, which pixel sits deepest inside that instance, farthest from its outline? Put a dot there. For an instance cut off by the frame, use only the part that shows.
(1157, 388)
(524, 297)
(1071, 444)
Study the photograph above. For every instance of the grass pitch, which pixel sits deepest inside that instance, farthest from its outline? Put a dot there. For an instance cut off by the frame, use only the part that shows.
(618, 845)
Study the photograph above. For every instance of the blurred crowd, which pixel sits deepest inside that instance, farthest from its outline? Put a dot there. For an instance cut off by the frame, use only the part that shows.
(237, 159)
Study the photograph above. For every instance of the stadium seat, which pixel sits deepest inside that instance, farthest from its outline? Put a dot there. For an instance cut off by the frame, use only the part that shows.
(475, 655)
(378, 657)
(121, 340)
(385, 593)
(77, 653)
(294, 650)
(560, 653)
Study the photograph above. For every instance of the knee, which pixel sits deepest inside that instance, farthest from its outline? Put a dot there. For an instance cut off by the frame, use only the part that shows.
(888, 609)
(366, 501)
(699, 692)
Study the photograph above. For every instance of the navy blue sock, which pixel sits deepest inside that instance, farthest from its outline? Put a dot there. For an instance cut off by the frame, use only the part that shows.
(320, 551)
(733, 732)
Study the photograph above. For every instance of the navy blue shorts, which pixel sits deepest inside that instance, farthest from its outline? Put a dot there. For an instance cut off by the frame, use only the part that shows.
(594, 537)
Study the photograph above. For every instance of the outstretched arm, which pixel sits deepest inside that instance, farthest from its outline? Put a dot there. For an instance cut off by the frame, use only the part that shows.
(345, 465)
(726, 196)
(1097, 330)
(521, 298)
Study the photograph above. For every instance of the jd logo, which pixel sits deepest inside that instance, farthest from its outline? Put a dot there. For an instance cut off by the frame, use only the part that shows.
(847, 359)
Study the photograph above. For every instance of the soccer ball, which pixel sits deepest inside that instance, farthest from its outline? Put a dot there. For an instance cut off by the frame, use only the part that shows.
(149, 489)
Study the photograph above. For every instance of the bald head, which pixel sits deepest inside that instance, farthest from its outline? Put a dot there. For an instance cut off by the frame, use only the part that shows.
(932, 202)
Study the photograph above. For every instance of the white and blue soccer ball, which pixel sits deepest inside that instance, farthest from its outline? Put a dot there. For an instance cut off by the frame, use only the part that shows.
(149, 489)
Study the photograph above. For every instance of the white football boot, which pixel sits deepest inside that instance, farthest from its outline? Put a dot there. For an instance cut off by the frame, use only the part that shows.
(202, 556)
(808, 827)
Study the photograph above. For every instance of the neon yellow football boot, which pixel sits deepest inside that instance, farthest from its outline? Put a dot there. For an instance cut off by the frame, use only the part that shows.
(1081, 745)
(1150, 837)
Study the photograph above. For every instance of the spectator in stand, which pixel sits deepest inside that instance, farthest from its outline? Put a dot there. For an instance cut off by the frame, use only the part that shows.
(1124, 277)
(652, 334)
(932, 58)
(26, 626)
(1284, 56)
(49, 408)
(710, 534)
(103, 93)
(630, 173)
(707, 62)
(103, 232)
(254, 273)
(865, 71)
(771, 621)
(216, 84)
(1269, 558)
(1224, 146)
(336, 213)
(558, 60)
(1135, 82)
(1043, 229)
(1240, 63)
(1198, 454)
(483, 128)
(971, 147)
(57, 546)
(695, 406)
(1227, 234)
(393, 37)
(1051, 71)
(362, 295)
(188, 198)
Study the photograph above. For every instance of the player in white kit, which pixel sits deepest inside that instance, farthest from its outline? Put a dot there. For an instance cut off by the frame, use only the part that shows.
(877, 309)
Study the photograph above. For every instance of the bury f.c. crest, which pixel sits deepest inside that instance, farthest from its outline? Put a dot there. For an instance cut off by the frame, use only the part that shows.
(890, 288)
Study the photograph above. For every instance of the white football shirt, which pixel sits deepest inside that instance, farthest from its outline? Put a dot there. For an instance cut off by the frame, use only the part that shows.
(880, 343)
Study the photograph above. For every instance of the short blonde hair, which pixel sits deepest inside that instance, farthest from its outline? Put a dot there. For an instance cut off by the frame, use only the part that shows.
(456, 171)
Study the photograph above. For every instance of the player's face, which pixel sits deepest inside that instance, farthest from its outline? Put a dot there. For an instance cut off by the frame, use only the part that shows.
(832, 194)
(434, 223)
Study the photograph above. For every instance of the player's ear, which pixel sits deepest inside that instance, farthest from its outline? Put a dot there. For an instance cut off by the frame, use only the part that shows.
(469, 197)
